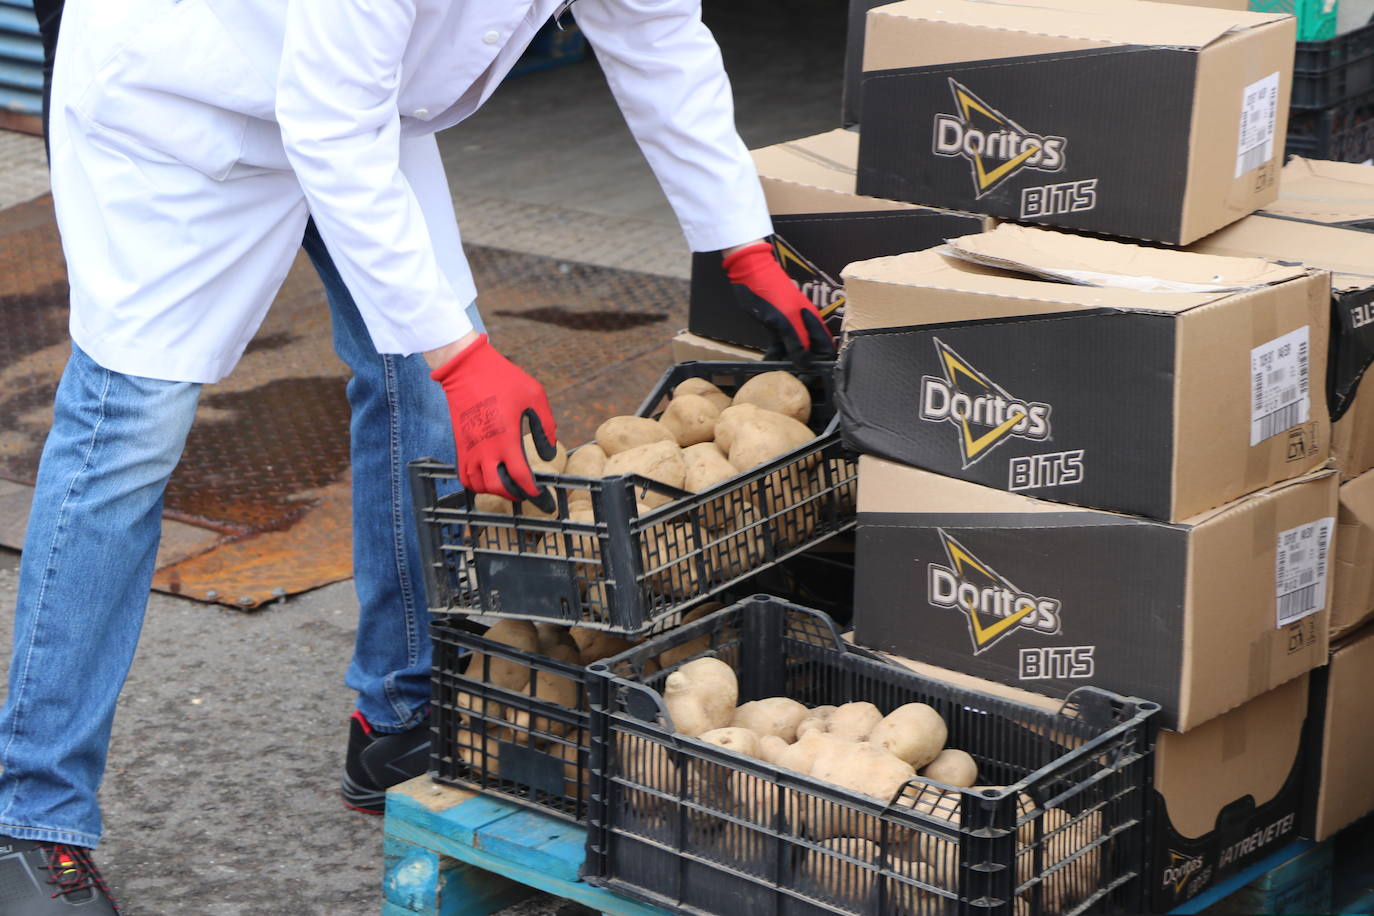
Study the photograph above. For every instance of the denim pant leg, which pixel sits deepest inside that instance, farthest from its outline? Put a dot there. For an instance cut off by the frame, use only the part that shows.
(83, 590)
(398, 414)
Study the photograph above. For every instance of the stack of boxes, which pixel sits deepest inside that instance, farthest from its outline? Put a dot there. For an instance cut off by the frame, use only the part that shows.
(1109, 419)
(1103, 461)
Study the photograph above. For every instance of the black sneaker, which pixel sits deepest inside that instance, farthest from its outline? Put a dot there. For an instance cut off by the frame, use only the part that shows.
(376, 762)
(50, 879)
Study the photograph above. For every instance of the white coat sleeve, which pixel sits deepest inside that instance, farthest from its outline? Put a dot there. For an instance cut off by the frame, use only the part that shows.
(664, 67)
(336, 104)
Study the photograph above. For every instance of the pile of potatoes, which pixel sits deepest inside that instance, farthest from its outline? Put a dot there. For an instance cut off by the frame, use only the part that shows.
(858, 747)
(486, 725)
(703, 437)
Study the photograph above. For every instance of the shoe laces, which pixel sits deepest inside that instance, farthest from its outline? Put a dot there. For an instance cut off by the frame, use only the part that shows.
(72, 870)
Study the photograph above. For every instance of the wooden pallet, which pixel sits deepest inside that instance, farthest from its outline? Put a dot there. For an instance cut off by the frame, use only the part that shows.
(450, 852)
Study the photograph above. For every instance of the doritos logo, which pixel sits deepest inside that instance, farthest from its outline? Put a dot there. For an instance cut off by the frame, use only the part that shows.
(824, 291)
(985, 413)
(995, 146)
(993, 605)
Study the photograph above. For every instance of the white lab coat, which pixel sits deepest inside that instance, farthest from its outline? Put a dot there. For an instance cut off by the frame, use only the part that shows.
(192, 139)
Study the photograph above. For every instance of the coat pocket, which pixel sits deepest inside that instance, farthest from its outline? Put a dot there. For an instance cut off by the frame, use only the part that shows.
(181, 87)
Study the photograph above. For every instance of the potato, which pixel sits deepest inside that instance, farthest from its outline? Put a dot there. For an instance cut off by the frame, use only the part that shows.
(556, 465)
(587, 461)
(801, 756)
(479, 752)
(691, 419)
(752, 798)
(667, 554)
(778, 391)
(774, 716)
(861, 767)
(739, 740)
(818, 720)
(851, 722)
(519, 634)
(756, 444)
(702, 388)
(491, 537)
(669, 657)
(839, 878)
(737, 547)
(659, 461)
(570, 755)
(914, 732)
(1060, 839)
(594, 645)
(646, 763)
(619, 434)
(706, 467)
(952, 767)
(736, 416)
(701, 696)
(771, 747)
(794, 519)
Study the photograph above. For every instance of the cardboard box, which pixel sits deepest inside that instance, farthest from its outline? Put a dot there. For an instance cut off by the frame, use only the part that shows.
(1229, 792)
(1352, 595)
(854, 60)
(993, 360)
(819, 226)
(1349, 255)
(1342, 790)
(1226, 794)
(1160, 122)
(1219, 4)
(1198, 616)
(688, 346)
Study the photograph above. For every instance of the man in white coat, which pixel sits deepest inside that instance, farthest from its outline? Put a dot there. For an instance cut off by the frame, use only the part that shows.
(195, 146)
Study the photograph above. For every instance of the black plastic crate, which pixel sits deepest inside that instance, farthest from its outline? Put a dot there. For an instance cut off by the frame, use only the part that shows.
(1326, 73)
(690, 827)
(1343, 133)
(626, 572)
(530, 749)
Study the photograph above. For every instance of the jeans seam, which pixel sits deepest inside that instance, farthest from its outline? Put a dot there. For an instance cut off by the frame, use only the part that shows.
(397, 532)
(49, 570)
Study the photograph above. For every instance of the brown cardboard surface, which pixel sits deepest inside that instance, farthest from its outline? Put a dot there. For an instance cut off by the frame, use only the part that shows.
(1352, 597)
(1213, 350)
(816, 175)
(886, 486)
(969, 682)
(1232, 558)
(1346, 790)
(1219, 4)
(1249, 750)
(687, 346)
(1224, 73)
(1133, 22)
(1347, 254)
(1065, 258)
(1325, 192)
(1352, 438)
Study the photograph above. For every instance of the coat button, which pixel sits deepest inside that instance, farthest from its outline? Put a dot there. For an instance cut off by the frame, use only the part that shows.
(421, 112)
(492, 37)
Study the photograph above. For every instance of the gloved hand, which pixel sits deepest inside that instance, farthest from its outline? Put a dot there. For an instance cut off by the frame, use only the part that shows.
(488, 396)
(765, 291)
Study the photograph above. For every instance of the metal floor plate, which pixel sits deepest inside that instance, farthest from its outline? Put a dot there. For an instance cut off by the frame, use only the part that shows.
(263, 483)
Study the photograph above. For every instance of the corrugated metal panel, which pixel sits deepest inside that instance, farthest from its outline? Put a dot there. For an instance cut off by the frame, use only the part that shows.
(21, 59)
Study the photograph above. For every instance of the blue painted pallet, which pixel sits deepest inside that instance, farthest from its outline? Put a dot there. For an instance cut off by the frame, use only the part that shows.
(450, 852)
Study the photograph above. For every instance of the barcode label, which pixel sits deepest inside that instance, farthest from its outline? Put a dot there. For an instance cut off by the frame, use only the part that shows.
(1279, 385)
(1300, 569)
(1259, 109)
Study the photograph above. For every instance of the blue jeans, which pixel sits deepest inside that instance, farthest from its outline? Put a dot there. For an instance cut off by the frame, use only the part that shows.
(92, 541)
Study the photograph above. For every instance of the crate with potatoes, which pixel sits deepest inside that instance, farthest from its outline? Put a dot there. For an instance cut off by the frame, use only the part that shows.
(726, 469)
(509, 699)
(771, 767)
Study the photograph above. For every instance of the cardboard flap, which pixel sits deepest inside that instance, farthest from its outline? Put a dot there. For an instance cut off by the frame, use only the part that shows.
(1248, 502)
(1325, 192)
(825, 160)
(1115, 265)
(1350, 255)
(1124, 22)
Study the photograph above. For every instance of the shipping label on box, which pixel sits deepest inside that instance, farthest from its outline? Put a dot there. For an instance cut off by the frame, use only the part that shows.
(1116, 116)
(820, 225)
(1085, 371)
(1197, 616)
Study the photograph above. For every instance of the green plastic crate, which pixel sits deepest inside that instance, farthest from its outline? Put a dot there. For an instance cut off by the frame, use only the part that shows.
(1316, 18)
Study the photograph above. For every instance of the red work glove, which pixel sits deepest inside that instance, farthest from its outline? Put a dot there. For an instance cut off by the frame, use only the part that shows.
(488, 397)
(765, 291)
